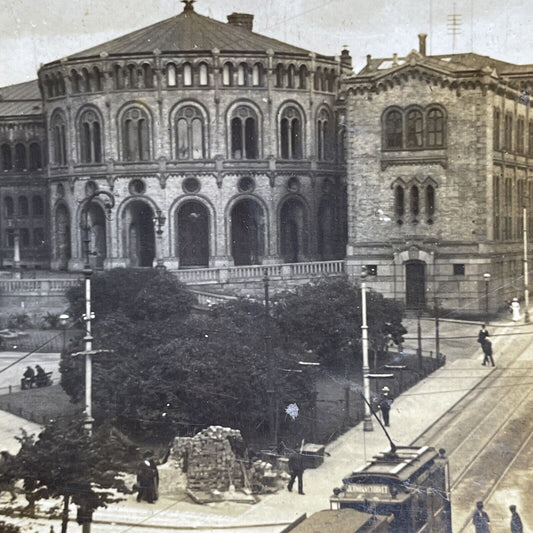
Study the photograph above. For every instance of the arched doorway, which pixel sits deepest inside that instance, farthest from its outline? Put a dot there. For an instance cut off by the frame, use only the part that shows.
(62, 231)
(293, 231)
(247, 232)
(139, 234)
(193, 235)
(415, 285)
(97, 235)
(327, 237)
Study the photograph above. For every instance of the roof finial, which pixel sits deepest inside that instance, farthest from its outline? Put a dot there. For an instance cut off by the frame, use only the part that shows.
(188, 5)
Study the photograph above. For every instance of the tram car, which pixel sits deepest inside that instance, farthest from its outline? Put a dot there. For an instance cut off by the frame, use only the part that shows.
(409, 484)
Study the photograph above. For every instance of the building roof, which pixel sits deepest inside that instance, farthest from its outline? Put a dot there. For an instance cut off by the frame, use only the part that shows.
(189, 31)
(21, 99)
(339, 521)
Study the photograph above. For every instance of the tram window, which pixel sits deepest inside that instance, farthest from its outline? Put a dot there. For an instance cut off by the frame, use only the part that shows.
(419, 509)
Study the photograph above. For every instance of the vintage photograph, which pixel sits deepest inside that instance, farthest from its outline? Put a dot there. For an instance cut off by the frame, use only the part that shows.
(264, 266)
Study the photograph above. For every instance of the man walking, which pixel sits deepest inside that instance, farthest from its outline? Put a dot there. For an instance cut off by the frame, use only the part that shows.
(483, 334)
(147, 479)
(296, 469)
(481, 519)
(385, 402)
(516, 522)
(487, 350)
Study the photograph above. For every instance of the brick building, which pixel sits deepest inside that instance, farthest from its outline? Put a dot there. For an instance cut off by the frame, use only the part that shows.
(223, 139)
(440, 161)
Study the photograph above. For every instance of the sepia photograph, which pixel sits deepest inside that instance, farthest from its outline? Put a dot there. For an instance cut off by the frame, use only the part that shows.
(264, 266)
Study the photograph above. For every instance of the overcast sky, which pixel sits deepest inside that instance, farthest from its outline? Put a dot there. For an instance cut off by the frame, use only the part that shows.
(37, 31)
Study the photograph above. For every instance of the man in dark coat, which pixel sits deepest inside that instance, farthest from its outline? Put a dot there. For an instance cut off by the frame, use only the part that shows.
(385, 402)
(481, 519)
(147, 479)
(483, 334)
(487, 350)
(516, 522)
(296, 470)
(29, 376)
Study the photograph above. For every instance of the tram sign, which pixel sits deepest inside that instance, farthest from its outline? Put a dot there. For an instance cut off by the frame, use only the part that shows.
(373, 488)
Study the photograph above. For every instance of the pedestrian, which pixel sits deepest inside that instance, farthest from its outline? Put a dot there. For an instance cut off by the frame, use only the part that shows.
(296, 470)
(147, 479)
(29, 376)
(385, 402)
(483, 334)
(515, 309)
(40, 376)
(516, 522)
(481, 519)
(487, 350)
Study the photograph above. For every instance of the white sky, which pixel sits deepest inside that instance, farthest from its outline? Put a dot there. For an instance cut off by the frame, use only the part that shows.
(38, 31)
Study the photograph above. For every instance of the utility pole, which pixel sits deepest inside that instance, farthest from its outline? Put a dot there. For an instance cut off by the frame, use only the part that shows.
(367, 420)
(526, 273)
(419, 348)
(437, 337)
(268, 354)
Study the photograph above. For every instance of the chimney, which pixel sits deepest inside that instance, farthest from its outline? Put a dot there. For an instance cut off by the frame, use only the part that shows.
(368, 58)
(422, 43)
(346, 58)
(395, 59)
(242, 19)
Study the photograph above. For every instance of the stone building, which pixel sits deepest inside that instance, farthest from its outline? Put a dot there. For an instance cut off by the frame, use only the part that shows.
(219, 146)
(440, 163)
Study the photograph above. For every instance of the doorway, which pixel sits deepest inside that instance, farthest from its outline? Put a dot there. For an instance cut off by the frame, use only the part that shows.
(415, 285)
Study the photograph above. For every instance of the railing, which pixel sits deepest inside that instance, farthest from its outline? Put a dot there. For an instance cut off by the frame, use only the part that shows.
(35, 286)
(207, 299)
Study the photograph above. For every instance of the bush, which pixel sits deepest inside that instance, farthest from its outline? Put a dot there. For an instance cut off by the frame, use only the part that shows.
(51, 321)
(19, 321)
(9, 528)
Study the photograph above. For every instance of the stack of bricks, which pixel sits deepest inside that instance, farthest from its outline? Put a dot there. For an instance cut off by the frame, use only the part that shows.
(209, 460)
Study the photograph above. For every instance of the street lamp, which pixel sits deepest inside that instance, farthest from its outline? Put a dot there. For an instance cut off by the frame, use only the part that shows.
(63, 320)
(486, 277)
(367, 420)
(12, 224)
(526, 273)
(89, 315)
(159, 220)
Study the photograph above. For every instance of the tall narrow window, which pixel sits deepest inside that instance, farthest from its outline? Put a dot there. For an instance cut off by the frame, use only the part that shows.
(291, 75)
(20, 157)
(7, 158)
(430, 203)
(171, 75)
(131, 77)
(399, 203)
(520, 135)
(38, 236)
(435, 128)
(302, 77)
(257, 75)
(135, 135)
(23, 206)
(187, 74)
(324, 136)
(323, 78)
(508, 133)
(414, 129)
(291, 134)
(9, 206)
(35, 156)
(415, 201)
(97, 79)
(75, 81)
(280, 74)
(24, 237)
(318, 76)
(86, 81)
(148, 76)
(496, 207)
(393, 129)
(243, 131)
(242, 74)
(118, 78)
(90, 136)
(189, 133)
(227, 74)
(530, 138)
(496, 129)
(203, 74)
(61, 83)
(37, 206)
(331, 81)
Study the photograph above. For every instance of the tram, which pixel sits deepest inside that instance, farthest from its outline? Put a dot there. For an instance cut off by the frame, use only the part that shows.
(409, 484)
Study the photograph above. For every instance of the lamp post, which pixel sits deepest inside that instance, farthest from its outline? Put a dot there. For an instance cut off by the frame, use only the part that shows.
(268, 352)
(526, 273)
(63, 320)
(159, 221)
(12, 224)
(89, 315)
(486, 277)
(367, 420)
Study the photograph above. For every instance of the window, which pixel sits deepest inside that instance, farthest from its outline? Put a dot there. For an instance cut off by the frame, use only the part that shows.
(7, 160)
(38, 237)
(227, 74)
(35, 156)
(171, 75)
(415, 202)
(496, 206)
(86, 81)
(187, 74)
(131, 77)
(118, 77)
(371, 270)
(331, 81)
(399, 203)
(508, 133)
(302, 77)
(97, 79)
(530, 138)
(59, 139)
(520, 135)
(20, 157)
(189, 134)
(257, 75)
(280, 72)
(61, 83)
(242, 74)
(459, 269)
(435, 128)
(323, 80)
(318, 76)
(135, 135)
(48, 85)
(324, 135)
(393, 129)
(496, 130)
(37, 206)
(24, 237)
(203, 74)
(148, 76)
(23, 206)
(90, 137)
(291, 74)
(75, 81)
(414, 129)
(10, 238)
(9, 206)
(430, 203)
(291, 134)
(244, 141)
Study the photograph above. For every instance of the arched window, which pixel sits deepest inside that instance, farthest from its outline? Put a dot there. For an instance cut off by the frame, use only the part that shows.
(86, 81)
(302, 77)
(291, 74)
(131, 77)
(430, 203)
(399, 203)
(280, 74)
(23, 206)
(203, 77)
(415, 201)
(135, 135)
(118, 78)
(7, 157)
(190, 133)
(291, 134)
(37, 206)
(244, 142)
(415, 129)
(75, 81)
(24, 237)
(495, 133)
(9, 206)
(20, 157)
(323, 80)
(148, 76)
(257, 75)
(61, 83)
(435, 128)
(59, 137)
(242, 74)
(227, 74)
(171, 75)
(324, 135)
(342, 145)
(38, 237)
(187, 74)
(90, 137)
(331, 81)
(35, 156)
(318, 76)
(393, 129)
(97, 79)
